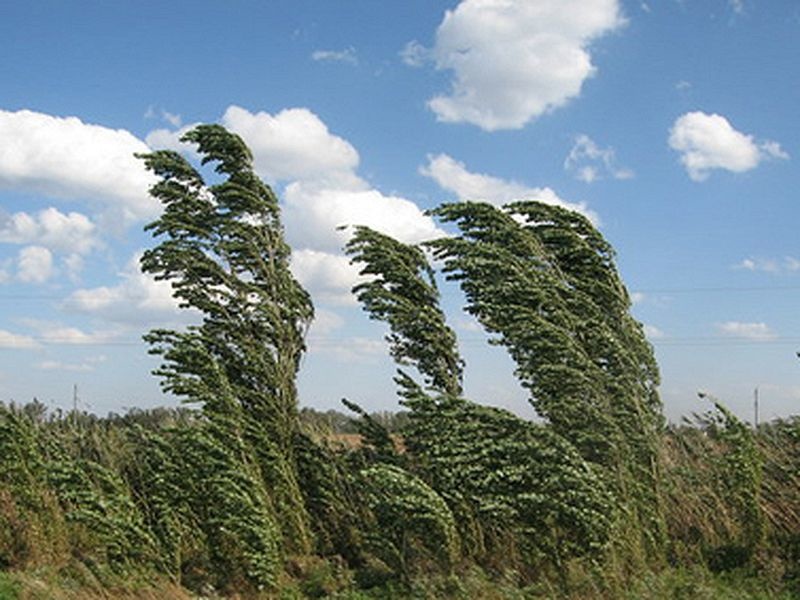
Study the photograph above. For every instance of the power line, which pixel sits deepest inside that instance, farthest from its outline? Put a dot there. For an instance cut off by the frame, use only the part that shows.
(674, 290)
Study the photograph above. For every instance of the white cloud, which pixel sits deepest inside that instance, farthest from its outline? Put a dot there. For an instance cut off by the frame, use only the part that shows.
(73, 263)
(791, 263)
(414, 54)
(170, 139)
(5, 270)
(759, 332)
(173, 119)
(637, 298)
(87, 365)
(652, 332)
(514, 60)
(348, 55)
(34, 264)
(328, 277)
(737, 6)
(770, 265)
(67, 158)
(313, 216)
(74, 232)
(589, 162)
(453, 176)
(294, 144)
(708, 142)
(53, 333)
(325, 322)
(759, 264)
(139, 300)
(323, 192)
(350, 350)
(16, 341)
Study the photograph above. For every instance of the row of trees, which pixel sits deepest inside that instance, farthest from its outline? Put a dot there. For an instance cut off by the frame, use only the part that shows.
(244, 495)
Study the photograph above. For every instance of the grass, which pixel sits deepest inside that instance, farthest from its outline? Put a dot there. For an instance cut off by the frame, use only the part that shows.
(9, 589)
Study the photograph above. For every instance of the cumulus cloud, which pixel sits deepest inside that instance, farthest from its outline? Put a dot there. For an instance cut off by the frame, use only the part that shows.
(589, 162)
(74, 232)
(707, 142)
(327, 276)
(84, 366)
(294, 144)
(16, 341)
(138, 300)
(35, 264)
(770, 265)
(453, 176)
(652, 332)
(314, 216)
(513, 60)
(323, 192)
(325, 322)
(170, 139)
(350, 350)
(348, 55)
(67, 158)
(414, 54)
(758, 332)
(54, 333)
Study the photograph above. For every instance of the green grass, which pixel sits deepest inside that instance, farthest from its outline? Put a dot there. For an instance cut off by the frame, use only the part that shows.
(9, 589)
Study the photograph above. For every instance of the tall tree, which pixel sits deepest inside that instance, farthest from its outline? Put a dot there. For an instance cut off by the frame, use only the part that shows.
(543, 280)
(222, 248)
(511, 483)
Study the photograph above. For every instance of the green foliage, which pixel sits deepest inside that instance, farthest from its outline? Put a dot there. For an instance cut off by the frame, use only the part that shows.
(513, 483)
(9, 589)
(227, 497)
(543, 280)
(548, 288)
(248, 497)
(31, 524)
(375, 436)
(412, 519)
(223, 251)
(402, 291)
(521, 489)
(741, 468)
(105, 527)
(714, 493)
(332, 497)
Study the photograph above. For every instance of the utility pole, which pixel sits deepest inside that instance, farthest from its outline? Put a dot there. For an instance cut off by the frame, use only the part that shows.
(755, 406)
(75, 398)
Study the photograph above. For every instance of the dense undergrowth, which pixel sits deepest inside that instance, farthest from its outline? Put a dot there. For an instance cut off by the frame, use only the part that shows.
(107, 507)
(246, 496)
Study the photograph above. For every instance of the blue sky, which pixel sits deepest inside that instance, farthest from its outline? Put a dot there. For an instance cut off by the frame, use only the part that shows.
(672, 124)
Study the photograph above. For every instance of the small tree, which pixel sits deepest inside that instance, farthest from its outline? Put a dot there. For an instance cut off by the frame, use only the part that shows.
(402, 291)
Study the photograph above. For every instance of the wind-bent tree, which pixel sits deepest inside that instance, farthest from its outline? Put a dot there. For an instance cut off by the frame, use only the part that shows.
(511, 484)
(222, 248)
(543, 280)
(402, 291)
